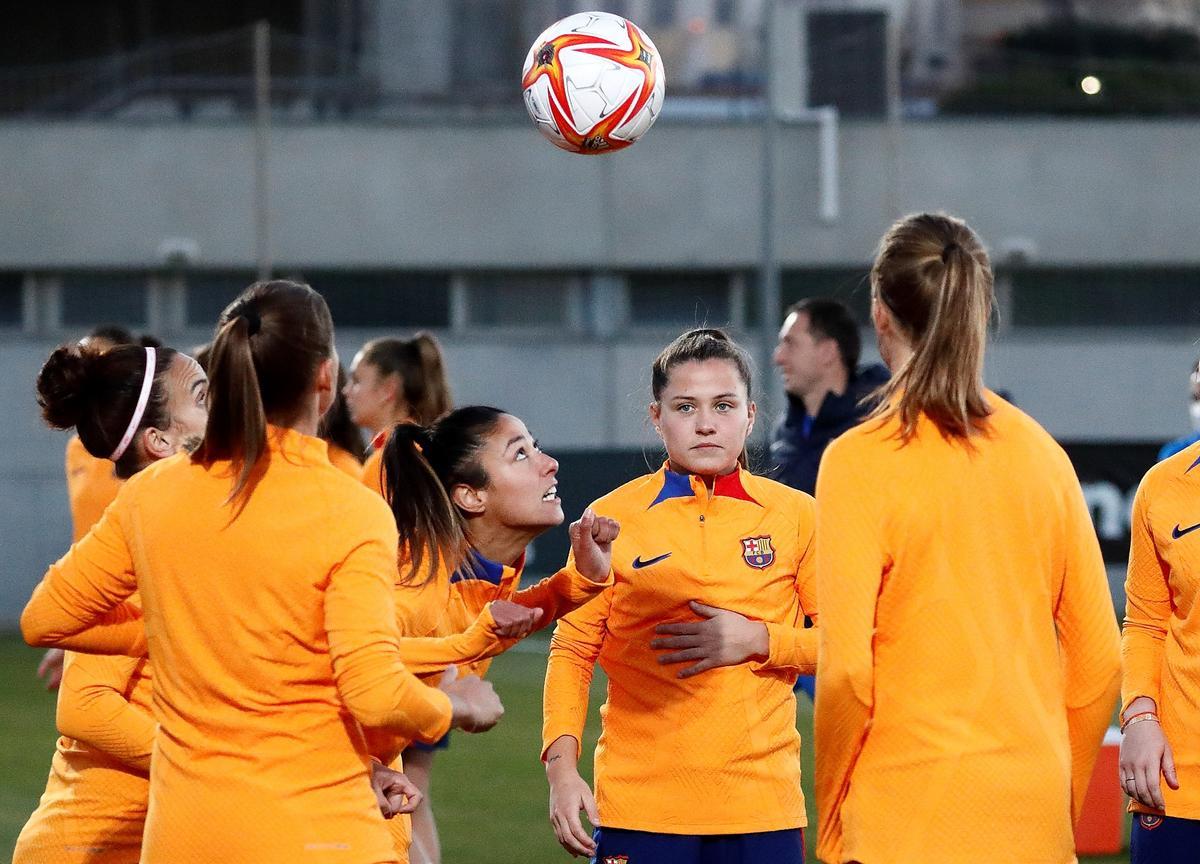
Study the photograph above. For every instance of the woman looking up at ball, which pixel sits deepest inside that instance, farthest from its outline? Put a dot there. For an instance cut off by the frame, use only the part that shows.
(271, 625)
(395, 381)
(968, 644)
(701, 637)
(470, 493)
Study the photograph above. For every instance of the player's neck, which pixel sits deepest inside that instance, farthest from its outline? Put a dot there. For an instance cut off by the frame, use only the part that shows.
(499, 543)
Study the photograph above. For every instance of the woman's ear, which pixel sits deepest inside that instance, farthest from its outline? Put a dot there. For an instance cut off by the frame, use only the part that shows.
(752, 410)
(656, 417)
(155, 444)
(326, 385)
(469, 499)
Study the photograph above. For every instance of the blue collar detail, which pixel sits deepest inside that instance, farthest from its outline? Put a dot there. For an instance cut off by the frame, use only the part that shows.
(674, 486)
(478, 567)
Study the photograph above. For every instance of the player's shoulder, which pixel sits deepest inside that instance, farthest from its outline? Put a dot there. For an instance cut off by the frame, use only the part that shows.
(1180, 467)
(772, 493)
(635, 495)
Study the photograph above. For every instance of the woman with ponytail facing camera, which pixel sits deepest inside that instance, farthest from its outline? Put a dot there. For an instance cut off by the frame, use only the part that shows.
(969, 652)
(271, 625)
(395, 381)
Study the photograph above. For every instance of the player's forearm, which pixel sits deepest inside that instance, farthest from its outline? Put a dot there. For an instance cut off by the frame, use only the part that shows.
(564, 592)
(561, 757)
(1086, 726)
(791, 649)
(432, 654)
(48, 623)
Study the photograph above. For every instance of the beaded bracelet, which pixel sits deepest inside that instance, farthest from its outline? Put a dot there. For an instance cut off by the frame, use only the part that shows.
(1140, 718)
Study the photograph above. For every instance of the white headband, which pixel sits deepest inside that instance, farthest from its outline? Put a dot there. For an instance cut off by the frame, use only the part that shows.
(143, 398)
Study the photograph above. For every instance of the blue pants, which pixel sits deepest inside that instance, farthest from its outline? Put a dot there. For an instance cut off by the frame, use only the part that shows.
(1163, 840)
(617, 846)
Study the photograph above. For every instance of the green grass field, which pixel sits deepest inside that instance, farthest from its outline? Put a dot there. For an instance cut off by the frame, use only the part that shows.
(489, 790)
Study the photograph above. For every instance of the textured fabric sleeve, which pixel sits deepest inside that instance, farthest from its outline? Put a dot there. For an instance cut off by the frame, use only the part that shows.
(94, 707)
(574, 647)
(79, 603)
(1147, 608)
(556, 595)
(360, 621)
(791, 646)
(851, 563)
(424, 655)
(1088, 640)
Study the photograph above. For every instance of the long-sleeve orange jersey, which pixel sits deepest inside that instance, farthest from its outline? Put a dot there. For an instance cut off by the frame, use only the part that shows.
(272, 628)
(91, 487)
(445, 620)
(717, 753)
(94, 806)
(1160, 644)
(969, 650)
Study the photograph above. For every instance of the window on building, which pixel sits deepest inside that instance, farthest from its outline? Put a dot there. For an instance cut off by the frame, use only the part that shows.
(89, 299)
(680, 298)
(1109, 297)
(521, 300)
(850, 285)
(11, 299)
(384, 299)
(209, 293)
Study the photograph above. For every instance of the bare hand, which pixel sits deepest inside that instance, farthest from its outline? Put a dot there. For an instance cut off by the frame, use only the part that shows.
(570, 794)
(474, 704)
(514, 621)
(1145, 755)
(591, 542)
(395, 792)
(723, 638)
(51, 667)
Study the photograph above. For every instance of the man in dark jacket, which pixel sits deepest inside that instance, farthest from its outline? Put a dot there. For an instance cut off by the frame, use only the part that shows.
(817, 355)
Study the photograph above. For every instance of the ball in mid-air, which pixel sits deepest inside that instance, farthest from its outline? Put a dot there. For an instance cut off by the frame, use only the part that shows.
(593, 82)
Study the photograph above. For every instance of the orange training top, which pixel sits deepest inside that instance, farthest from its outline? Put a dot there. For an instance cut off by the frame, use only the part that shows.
(717, 753)
(94, 806)
(345, 460)
(969, 655)
(447, 621)
(371, 472)
(91, 486)
(1160, 645)
(272, 628)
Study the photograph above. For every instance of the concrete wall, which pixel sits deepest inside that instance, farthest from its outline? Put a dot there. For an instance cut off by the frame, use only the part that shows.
(495, 194)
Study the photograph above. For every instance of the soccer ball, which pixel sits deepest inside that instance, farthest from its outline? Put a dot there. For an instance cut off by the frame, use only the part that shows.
(593, 82)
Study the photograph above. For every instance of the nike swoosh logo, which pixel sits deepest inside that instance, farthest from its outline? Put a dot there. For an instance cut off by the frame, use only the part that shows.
(1179, 532)
(638, 563)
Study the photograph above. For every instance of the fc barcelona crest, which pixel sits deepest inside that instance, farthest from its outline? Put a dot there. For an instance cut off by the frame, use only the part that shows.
(616, 859)
(757, 552)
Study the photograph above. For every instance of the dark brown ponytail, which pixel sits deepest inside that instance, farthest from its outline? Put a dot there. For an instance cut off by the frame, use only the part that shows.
(268, 346)
(421, 466)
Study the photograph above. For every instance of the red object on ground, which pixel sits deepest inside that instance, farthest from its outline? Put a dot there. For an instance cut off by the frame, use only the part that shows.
(1099, 829)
